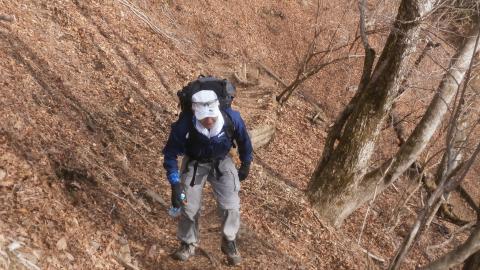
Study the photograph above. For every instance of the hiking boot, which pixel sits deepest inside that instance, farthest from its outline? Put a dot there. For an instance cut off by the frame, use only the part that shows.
(230, 249)
(184, 252)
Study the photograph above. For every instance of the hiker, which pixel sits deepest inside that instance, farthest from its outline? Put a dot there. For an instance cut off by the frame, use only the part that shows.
(205, 132)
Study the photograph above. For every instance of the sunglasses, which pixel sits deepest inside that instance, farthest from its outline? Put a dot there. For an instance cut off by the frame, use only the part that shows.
(208, 104)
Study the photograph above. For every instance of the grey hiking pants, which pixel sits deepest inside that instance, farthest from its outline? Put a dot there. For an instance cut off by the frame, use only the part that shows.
(225, 185)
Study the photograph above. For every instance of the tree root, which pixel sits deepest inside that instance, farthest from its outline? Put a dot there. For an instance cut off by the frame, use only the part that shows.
(447, 212)
(445, 209)
(209, 257)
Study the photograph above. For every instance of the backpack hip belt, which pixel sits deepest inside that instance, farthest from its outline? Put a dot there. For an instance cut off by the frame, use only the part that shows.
(214, 162)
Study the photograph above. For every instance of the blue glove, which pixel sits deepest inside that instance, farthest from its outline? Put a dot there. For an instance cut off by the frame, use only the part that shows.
(173, 178)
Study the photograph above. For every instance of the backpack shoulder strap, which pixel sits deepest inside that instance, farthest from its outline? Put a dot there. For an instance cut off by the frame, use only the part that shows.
(191, 127)
(230, 127)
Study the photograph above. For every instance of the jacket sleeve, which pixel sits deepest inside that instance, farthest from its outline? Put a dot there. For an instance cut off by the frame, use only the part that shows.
(245, 149)
(175, 145)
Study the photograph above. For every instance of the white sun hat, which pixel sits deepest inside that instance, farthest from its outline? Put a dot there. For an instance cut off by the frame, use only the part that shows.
(205, 104)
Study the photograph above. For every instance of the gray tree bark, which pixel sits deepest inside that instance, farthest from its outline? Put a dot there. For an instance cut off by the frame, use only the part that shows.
(334, 187)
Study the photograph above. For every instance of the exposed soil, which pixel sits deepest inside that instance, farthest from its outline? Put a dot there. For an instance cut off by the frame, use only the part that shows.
(88, 93)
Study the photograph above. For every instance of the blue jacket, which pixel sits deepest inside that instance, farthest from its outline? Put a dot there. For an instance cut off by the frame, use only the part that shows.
(184, 139)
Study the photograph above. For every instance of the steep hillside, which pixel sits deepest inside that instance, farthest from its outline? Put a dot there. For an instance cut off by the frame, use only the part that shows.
(87, 98)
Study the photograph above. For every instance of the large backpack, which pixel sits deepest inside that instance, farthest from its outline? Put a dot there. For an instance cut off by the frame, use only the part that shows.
(224, 89)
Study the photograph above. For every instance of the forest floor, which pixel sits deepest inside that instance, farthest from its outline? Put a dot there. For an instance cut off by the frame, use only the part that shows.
(88, 93)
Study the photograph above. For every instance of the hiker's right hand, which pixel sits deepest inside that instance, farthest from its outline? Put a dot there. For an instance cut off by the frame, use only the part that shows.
(177, 201)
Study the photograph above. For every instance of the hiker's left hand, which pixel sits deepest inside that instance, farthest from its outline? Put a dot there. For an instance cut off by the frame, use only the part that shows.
(243, 171)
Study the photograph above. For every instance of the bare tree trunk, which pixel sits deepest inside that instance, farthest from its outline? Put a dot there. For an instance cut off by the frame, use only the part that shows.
(451, 160)
(333, 189)
(341, 186)
(458, 255)
(473, 262)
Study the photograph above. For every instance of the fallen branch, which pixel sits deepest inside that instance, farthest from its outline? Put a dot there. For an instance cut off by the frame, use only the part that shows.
(243, 82)
(125, 264)
(131, 206)
(209, 257)
(318, 108)
(272, 74)
(7, 18)
(319, 116)
(261, 135)
(155, 197)
(373, 256)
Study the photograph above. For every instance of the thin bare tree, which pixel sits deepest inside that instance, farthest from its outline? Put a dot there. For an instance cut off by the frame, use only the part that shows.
(316, 59)
(464, 252)
(451, 170)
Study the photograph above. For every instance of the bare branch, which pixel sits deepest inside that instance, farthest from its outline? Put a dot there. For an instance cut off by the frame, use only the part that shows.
(464, 170)
(432, 118)
(459, 255)
(287, 92)
(369, 32)
(446, 184)
(363, 34)
(373, 256)
(308, 68)
(451, 238)
(369, 52)
(466, 196)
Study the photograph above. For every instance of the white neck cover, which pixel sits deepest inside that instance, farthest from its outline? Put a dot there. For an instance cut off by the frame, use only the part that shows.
(214, 131)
